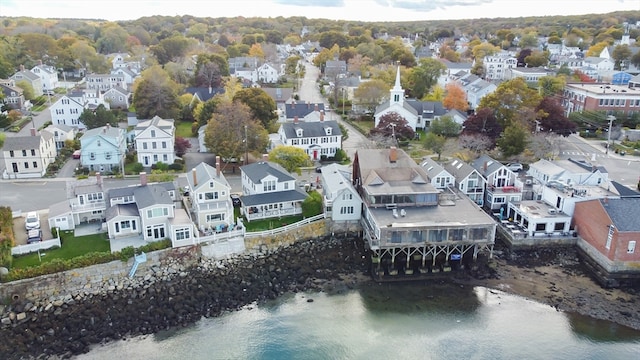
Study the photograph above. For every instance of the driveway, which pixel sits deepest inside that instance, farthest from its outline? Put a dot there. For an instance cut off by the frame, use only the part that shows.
(20, 232)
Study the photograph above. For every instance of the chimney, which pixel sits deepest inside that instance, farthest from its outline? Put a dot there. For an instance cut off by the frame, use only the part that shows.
(210, 89)
(322, 116)
(21, 67)
(195, 178)
(218, 166)
(143, 178)
(293, 104)
(265, 157)
(393, 154)
(40, 62)
(295, 119)
(606, 201)
(104, 129)
(98, 178)
(308, 105)
(33, 131)
(316, 108)
(484, 167)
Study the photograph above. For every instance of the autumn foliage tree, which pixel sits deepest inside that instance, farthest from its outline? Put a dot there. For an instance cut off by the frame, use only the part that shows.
(291, 158)
(513, 101)
(393, 124)
(484, 123)
(551, 117)
(181, 145)
(156, 94)
(232, 131)
(455, 98)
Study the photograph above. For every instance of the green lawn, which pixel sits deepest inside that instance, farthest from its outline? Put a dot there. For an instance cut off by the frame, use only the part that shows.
(183, 129)
(71, 247)
(270, 224)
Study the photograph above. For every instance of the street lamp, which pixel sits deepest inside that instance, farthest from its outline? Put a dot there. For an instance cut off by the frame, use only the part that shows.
(246, 146)
(611, 118)
(343, 101)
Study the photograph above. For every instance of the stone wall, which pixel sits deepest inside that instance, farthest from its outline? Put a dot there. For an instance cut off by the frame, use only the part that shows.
(100, 278)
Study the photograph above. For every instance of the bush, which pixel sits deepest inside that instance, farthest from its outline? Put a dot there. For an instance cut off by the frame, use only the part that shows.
(176, 167)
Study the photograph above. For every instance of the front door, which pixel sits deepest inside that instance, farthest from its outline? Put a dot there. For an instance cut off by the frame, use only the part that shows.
(158, 233)
(315, 154)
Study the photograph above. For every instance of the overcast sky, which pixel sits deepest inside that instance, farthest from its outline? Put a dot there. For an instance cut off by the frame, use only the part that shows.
(364, 10)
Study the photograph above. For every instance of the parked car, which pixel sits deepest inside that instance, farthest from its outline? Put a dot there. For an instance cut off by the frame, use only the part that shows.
(235, 199)
(32, 221)
(515, 167)
(76, 154)
(34, 235)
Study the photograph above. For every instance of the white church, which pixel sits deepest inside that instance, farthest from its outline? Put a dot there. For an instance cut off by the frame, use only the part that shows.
(417, 113)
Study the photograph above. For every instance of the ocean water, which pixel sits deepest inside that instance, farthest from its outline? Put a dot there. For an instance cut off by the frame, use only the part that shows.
(388, 321)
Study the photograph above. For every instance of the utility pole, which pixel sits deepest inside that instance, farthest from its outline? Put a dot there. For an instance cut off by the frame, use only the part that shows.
(246, 146)
(343, 91)
(611, 118)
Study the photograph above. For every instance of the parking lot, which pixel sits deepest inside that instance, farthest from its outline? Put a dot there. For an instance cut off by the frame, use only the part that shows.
(20, 231)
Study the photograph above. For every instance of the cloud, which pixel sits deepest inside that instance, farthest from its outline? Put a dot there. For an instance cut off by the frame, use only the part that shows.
(429, 5)
(319, 3)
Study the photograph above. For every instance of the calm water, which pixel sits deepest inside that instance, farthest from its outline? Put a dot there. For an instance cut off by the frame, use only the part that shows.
(390, 321)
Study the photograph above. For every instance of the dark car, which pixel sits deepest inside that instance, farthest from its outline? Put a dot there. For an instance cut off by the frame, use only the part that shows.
(34, 236)
(235, 199)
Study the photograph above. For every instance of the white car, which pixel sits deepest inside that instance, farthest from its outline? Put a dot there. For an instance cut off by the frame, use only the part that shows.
(515, 167)
(32, 221)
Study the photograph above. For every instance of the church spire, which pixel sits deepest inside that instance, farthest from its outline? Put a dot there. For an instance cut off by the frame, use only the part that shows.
(397, 92)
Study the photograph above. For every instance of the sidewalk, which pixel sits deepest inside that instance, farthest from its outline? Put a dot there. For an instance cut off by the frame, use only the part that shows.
(597, 145)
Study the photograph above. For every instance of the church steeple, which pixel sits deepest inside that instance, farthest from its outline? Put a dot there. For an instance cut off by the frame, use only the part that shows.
(397, 92)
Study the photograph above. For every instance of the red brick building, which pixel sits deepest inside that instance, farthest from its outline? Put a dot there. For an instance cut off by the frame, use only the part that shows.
(600, 97)
(609, 233)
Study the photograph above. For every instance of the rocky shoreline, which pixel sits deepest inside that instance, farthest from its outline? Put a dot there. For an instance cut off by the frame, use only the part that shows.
(176, 298)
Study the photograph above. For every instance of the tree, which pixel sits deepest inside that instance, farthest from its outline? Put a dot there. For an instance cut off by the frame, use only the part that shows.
(435, 143)
(98, 118)
(513, 140)
(156, 94)
(232, 131)
(205, 110)
(550, 85)
(551, 117)
(424, 76)
(256, 51)
(476, 143)
(484, 49)
(537, 59)
(596, 49)
(181, 145)
(171, 49)
(621, 54)
(513, 101)
(484, 123)
(455, 98)
(262, 106)
(291, 158)
(27, 89)
(395, 126)
(210, 68)
(445, 126)
(436, 94)
(2, 137)
(312, 205)
(522, 55)
(371, 93)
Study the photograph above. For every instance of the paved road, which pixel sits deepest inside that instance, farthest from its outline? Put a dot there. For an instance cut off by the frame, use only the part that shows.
(624, 169)
(310, 91)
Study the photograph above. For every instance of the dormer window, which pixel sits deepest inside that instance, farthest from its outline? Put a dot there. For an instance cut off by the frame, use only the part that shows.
(299, 132)
(327, 131)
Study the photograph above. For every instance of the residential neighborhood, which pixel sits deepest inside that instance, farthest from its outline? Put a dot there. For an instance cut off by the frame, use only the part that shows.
(167, 171)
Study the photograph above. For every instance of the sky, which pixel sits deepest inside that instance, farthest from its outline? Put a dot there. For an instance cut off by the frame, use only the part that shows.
(360, 10)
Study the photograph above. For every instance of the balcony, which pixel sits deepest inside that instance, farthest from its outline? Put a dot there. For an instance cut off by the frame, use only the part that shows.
(77, 207)
(504, 189)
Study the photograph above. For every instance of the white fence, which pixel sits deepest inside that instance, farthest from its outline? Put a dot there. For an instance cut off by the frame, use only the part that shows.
(285, 228)
(40, 245)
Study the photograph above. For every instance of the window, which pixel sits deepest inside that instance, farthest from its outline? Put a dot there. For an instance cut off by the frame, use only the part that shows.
(107, 155)
(144, 146)
(11, 154)
(631, 247)
(215, 217)
(154, 145)
(26, 165)
(269, 185)
(125, 224)
(347, 196)
(33, 152)
(165, 158)
(157, 212)
(346, 210)
(456, 234)
(24, 152)
(182, 234)
(211, 196)
(164, 144)
(35, 164)
(92, 156)
(153, 133)
(437, 235)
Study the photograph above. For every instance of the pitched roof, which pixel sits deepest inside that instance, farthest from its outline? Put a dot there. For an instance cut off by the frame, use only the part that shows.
(623, 212)
(279, 94)
(459, 169)
(492, 165)
(380, 175)
(274, 197)
(105, 131)
(431, 167)
(624, 191)
(258, 171)
(145, 195)
(158, 122)
(205, 172)
(24, 142)
(311, 129)
(27, 74)
(301, 110)
(204, 93)
(336, 177)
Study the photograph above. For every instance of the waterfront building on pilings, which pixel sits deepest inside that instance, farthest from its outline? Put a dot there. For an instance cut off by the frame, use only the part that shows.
(413, 229)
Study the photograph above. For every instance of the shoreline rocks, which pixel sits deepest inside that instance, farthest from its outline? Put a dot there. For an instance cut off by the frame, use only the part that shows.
(175, 296)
